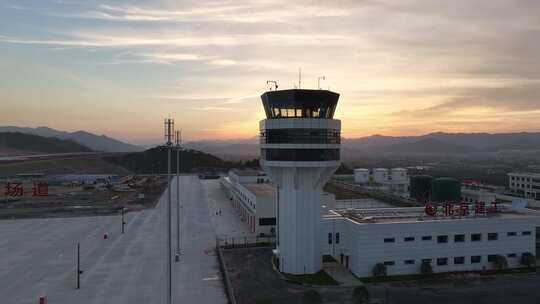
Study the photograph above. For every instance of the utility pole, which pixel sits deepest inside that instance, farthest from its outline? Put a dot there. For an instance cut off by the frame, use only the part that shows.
(169, 126)
(78, 266)
(123, 222)
(178, 148)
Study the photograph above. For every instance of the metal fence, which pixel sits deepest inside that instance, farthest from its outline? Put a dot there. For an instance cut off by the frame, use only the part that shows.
(246, 242)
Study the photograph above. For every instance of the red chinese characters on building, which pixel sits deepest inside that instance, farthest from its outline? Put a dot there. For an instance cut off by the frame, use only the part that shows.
(40, 189)
(431, 209)
(480, 208)
(14, 189)
(460, 209)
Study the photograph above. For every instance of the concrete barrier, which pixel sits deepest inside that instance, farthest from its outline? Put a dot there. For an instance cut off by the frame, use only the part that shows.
(226, 280)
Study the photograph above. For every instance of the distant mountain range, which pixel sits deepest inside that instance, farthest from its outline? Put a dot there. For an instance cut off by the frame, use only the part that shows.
(12, 143)
(92, 141)
(433, 144)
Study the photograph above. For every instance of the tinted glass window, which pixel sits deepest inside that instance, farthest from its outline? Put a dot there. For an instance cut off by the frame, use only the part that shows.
(442, 261)
(300, 154)
(442, 239)
(493, 236)
(300, 136)
(475, 237)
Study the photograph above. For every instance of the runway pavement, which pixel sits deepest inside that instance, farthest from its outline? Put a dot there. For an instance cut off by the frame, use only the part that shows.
(38, 256)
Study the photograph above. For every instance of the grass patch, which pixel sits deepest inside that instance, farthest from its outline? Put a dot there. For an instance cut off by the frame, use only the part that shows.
(318, 278)
(328, 259)
(443, 275)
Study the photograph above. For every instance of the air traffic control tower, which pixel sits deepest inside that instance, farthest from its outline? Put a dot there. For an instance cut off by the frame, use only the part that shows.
(300, 150)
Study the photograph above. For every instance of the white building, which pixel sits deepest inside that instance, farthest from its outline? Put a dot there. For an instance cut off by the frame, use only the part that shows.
(393, 180)
(254, 198)
(361, 176)
(525, 184)
(404, 238)
(475, 196)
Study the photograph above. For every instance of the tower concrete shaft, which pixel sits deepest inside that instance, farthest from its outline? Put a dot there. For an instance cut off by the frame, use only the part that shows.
(300, 150)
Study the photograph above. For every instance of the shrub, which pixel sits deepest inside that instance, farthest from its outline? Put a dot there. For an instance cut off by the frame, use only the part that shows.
(500, 262)
(311, 297)
(528, 259)
(426, 268)
(379, 270)
(360, 295)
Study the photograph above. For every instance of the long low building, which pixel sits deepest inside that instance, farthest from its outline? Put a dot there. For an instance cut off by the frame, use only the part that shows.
(402, 239)
(252, 195)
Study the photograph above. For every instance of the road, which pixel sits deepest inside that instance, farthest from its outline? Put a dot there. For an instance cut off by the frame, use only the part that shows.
(37, 256)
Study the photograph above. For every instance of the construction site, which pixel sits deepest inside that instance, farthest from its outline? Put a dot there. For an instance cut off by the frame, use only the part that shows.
(38, 195)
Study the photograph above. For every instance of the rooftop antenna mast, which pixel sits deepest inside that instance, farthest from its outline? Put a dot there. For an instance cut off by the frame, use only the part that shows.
(299, 78)
(274, 82)
(319, 81)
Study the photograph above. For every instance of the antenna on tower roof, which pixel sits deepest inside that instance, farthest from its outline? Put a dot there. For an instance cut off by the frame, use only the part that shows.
(299, 78)
(319, 81)
(274, 82)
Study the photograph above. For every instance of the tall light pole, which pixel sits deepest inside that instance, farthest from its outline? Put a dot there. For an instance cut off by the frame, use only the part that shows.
(169, 127)
(178, 141)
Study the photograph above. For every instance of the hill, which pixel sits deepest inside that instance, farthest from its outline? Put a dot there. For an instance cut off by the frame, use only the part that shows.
(155, 161)
(20, 143)
(95, 142)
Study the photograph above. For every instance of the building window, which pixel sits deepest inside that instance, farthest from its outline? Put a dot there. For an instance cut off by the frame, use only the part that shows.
(409, 262)
(493, 236)
(426, 260)
(426, 238)
(389, 240)
(389, 263)
(511, 233)
(337, 237)
(458, 238)
(511, 255)
(492, 257)
(475, 259)
(442, 239)
(526, 233)
(329, 238)
(442, 261)
(459, 260)
(476, 237)
(409, 239)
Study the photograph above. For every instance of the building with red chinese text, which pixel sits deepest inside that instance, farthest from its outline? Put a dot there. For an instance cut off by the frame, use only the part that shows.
(468, 238)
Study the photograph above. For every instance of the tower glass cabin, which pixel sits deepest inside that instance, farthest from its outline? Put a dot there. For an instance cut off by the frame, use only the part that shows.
(300, 150)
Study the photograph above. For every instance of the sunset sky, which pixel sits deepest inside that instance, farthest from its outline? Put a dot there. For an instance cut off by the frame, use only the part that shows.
(402, 67)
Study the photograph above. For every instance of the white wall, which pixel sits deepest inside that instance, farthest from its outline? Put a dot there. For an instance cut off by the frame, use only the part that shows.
(365, 243)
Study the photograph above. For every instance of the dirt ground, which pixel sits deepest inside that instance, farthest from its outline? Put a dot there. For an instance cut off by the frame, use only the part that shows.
(75, 200)
(254, 280)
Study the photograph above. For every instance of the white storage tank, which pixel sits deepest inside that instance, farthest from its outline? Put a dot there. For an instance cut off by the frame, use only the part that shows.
(399, 175)
(361, 176)
(380, 175)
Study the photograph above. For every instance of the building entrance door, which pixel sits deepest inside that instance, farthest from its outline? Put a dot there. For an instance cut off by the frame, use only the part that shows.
(347, 261)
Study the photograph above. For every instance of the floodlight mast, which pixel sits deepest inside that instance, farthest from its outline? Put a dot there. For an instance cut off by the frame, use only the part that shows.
(169, 135)
(178, 205)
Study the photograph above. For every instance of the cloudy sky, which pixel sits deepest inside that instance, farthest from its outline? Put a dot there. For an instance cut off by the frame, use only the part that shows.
(401, 67)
